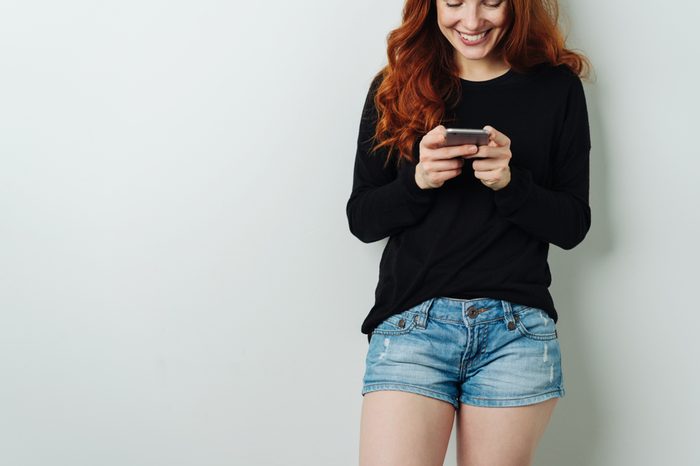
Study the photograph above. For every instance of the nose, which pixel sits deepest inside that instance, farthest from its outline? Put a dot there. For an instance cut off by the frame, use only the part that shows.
(470, 20)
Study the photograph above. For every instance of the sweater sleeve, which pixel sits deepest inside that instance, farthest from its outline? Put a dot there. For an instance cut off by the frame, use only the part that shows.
(384, 200)
(560, 215)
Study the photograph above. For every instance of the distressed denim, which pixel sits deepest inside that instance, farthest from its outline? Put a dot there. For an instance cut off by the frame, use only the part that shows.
(481, 352)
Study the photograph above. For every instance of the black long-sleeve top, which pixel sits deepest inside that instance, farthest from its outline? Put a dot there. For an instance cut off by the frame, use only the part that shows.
(463, 239)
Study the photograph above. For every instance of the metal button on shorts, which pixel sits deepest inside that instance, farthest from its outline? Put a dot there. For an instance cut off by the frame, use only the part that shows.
(481, 352)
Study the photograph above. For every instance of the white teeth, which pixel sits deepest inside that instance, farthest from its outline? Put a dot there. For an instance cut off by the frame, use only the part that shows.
(473, 38)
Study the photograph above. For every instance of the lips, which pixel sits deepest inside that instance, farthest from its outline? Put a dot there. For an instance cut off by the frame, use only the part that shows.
(462, 34)
(469, 34)
(476, 42)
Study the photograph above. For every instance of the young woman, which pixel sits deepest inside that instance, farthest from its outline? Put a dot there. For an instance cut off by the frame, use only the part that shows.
(463, 321)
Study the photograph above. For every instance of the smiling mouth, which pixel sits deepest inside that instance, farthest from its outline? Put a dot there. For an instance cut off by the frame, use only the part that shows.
(473, 37)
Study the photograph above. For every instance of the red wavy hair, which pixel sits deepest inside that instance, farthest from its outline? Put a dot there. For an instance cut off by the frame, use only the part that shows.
(422, 78)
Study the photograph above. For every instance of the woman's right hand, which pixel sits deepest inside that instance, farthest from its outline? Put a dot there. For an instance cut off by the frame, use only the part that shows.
(439, 163)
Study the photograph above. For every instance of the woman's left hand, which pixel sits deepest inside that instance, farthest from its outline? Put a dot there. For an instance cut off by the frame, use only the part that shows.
(493, 171)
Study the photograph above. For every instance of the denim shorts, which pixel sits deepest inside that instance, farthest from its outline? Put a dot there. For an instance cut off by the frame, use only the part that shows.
(481, 352)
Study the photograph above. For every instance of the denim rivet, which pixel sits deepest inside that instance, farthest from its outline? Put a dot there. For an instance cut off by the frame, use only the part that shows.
(402, 323)
(511, 325)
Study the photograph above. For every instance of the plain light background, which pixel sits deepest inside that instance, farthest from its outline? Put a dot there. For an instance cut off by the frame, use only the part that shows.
(178, 284)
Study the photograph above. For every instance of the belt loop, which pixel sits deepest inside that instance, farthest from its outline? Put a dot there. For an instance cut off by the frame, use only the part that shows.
(507, 311)
(423, 312)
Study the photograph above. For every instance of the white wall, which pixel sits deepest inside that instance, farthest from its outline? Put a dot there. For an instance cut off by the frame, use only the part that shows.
(178, 285)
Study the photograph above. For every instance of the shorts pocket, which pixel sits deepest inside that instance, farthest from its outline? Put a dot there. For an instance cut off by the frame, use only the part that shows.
(535, 323)
(399, 324)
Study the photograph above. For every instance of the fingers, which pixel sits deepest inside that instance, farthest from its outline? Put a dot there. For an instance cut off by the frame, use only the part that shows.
(443, 165)
(435, 138)
(438, 163)
(496, 136)
(434, 142)
(435, 172)
(455, 151)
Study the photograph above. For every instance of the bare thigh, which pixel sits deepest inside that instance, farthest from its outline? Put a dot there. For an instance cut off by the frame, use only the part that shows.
(404, 429)
(501, 436)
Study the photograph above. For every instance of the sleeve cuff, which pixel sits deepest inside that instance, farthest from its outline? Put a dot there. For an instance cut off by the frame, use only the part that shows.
(514, 195)
(407, 178)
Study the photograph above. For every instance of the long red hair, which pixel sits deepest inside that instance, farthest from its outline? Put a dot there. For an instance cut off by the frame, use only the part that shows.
(421, 78)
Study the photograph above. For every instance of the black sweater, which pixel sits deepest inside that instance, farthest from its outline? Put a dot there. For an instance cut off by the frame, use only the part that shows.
(464, 240)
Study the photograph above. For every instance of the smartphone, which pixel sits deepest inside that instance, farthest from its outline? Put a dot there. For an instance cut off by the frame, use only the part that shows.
(460, 136)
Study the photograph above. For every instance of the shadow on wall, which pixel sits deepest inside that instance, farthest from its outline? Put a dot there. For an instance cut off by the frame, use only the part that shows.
(578, 425)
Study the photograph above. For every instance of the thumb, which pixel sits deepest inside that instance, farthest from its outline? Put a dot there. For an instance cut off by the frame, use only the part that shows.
(436, 137)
